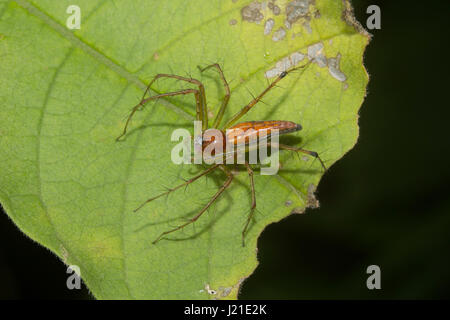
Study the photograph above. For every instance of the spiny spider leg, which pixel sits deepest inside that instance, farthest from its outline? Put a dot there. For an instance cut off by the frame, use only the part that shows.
(214, 198)
(252, 103)
(203, 110)
(168, 94)
(203, 107)
(200, 99)
(205, 172)
(226, 98)
(311, 153)
(253, 207)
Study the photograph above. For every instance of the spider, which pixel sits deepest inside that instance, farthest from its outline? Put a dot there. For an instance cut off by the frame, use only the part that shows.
(260, 127)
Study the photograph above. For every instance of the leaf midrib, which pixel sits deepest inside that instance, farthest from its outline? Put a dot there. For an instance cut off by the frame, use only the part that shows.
(93, 52)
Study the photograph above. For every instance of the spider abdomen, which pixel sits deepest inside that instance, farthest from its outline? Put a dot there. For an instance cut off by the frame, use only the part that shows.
(262, 129)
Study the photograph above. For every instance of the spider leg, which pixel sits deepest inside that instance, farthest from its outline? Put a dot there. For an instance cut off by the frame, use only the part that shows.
(311, 153)
(214, 198)
(200, 99)
(253, 207)
(205, 172)
(168, 94)
(252, 103)
(201, 88)
(226, 98)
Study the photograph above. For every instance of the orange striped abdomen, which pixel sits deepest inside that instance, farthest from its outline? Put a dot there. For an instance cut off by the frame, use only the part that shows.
(262, 129)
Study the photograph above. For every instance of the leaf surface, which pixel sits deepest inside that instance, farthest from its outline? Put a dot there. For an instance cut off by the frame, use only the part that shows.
(65, 96)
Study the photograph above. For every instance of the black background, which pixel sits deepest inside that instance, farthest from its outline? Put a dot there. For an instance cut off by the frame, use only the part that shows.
(385, 203)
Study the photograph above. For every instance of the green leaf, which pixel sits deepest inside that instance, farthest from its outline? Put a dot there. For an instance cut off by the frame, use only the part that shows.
(64, 98)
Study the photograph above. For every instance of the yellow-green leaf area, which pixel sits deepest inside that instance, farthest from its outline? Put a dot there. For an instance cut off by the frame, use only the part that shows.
(64, 98)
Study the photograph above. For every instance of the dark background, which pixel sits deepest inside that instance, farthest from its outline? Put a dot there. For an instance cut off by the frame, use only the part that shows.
(385, 203)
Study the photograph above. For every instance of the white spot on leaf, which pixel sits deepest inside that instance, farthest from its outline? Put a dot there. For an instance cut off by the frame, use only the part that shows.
(315, 52)
(252, 12)
(268, 26)
(285, 64)
(333, 68)
(279, 34)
